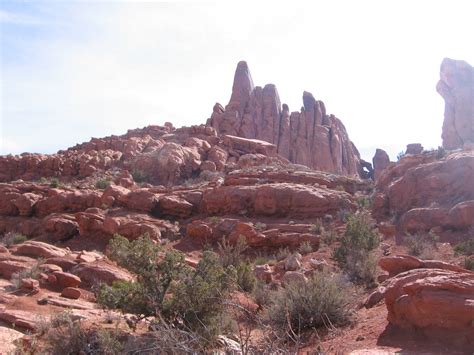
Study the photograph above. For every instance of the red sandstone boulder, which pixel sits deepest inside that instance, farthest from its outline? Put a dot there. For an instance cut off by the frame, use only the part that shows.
(66, 279)
(397, 264)
(71, 292)
(39, 250)
(176, 206)
(26, 202)
(97, 223)
(380, 161)
(101, 272)
(439, 303)
(60, 226)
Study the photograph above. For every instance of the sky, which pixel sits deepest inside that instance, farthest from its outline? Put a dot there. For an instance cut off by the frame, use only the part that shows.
(72, 70)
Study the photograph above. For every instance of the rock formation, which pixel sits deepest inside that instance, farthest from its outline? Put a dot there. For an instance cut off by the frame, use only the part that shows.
(456, 86)
(380, 161)
(310, 137)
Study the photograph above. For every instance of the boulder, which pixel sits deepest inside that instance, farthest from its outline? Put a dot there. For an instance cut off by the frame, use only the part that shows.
(66, 279)
(101, 272)
(380, 161)
(39, 250)
(438, 303)
(71, 292)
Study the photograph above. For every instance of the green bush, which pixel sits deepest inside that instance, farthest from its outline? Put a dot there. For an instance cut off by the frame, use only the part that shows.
(260, 226)
(355, 254)
(469, 263)
(198, 299)
(440, 153)
(139, 176)
(305, 248)
(317, 227)
(54, 183)
(102, 184)
(230, 253)
(329, 236)
(282, 254)
(320, 302)
(11, 238)
(465, 248)
(422, 246)
(245, 278)
(31, 273)
(191, 299)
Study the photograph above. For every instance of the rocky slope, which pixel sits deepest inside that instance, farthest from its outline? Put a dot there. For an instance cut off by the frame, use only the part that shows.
(310, 137)
(191, 188)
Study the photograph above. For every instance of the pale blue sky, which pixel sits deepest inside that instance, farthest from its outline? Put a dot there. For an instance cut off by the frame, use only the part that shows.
(72, 70)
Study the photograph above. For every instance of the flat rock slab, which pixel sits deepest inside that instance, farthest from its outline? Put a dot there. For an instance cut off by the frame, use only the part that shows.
(67, 303)
(18, 318)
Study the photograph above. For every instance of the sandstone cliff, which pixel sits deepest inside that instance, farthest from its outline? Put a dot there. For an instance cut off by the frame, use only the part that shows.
(310, 137)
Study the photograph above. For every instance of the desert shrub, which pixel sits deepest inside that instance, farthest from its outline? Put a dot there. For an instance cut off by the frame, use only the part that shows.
(102, 184)
(355, 254)
(259, 226)
(198, 299)
(191, 299)
(329, 236)
(364, 202)
(465, 248)
(54, 183)
(66, 335)
(129, 297)
(316, 227)
(440, 153)
(12, 238)
(400, 155)
(305, 248)
(468, 263)
(282, 253)
(245, 278)
(262, 260)
(321, 301)
(422, 246)
(31, 273)
(215, 219)
(139, 256)
(343, 215)
(261, 294)
(231, 253)
(139, 176)
(153, 278)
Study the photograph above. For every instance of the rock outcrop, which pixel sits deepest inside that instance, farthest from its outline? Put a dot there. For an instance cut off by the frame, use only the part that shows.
(310, 137)
(380, 161)
(425, 191)
(456, 86)
(437, 302)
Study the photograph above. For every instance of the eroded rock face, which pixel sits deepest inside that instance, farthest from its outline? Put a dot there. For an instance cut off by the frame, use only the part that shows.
(310, 137)
(456, 86)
